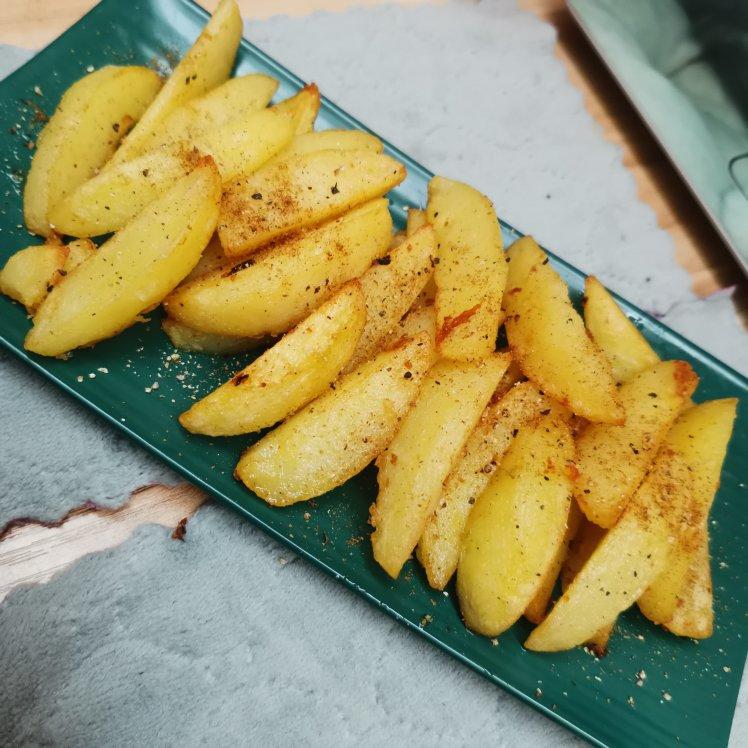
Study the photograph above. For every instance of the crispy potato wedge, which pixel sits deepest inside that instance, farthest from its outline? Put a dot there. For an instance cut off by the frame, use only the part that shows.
(82, 134)
(133, 270)
(235, 99)
(612, 460)
(512, 375)
(471, 273)
(390, 286)
(332, 140)
(420, 457)
(516, 527)
(205, 65)
(582, 546)
(700, 436)
(298, 368)
(79, 250)
(303, 108)
(439, 545)
(338, 434)
(416, 219)
(301, 191)
(694, 614)
(30, 273)
(624, 564)
(196, 341)
(535, 612)
(418, 319)
(548, 340)
(211, 260)
(614, 333)
(108, 201)
(278, 286)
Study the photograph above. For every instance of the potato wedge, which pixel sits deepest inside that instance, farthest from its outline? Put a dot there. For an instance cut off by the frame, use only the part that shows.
(211, 260)
(471, 274)
(82, 134)
(439, 546)
(614, 333)
(416, 219)
(30, 273)
(132, 271)
(278, 286)
(612, 460)
(419, 459)
(516, 527)
(235, 99)
(79, 250)
(584, 543)
(390, 286)
(694, 614)
(303, 108)
(301, 191)
(298, 368)
(700, 436)
(196, 341)
(205, 65)
(108, 201)
(548, 340)
(338, 434)
(538, 607)
(418, 319)
(332, 140)
(624, 564)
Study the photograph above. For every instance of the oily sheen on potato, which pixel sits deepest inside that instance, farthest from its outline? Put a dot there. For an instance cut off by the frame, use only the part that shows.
(82, 134)
(471, 274)
(700, 436)
(413, 468)
(278, 286)
(548, 340)
(624, 564)
(516, 527)
(204, 66)
(439, 546)
(298, 191)
(298, 368)
(612, 460)
(340, 433)
(133, 271)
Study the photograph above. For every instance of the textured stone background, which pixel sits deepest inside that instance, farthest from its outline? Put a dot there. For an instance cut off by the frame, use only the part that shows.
(157, 641)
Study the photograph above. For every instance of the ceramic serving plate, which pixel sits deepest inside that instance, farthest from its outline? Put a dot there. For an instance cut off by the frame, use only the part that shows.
(690, 689)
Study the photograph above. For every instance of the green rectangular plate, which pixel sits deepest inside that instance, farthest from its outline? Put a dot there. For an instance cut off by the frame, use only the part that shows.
(597, 699)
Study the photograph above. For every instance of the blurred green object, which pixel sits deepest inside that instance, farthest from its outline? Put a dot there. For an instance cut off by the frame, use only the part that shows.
(683, 63)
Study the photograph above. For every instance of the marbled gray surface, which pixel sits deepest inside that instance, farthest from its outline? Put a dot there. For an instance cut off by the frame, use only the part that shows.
(215, 640)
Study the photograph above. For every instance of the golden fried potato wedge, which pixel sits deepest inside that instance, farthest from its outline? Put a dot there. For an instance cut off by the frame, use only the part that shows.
(301, 191)
(612, 460)
(30, 273)
(439, 545)
(298, 368)
(516, 527)
(418, 319)
(338, 434)
(614, 333)
(133, 271)
(278, 286)
(390, 286)
(548, 339)
(624, 564)
(419, 459)
(582, 546)
(694, 614)
(108, 201)
(416, 219)
(538, 607)
(82, 134)
(211, 260)
(332, 140)
(303, 108)
(205, 65)
(235, 99)
(700, 436)
(79, 250)
(471, 273)
(196, 341)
